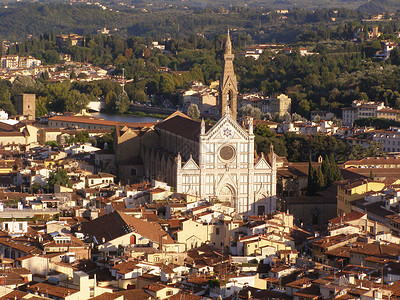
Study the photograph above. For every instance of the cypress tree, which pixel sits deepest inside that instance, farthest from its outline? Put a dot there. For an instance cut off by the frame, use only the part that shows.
(311, 184)
(327, 171)
(320, 181)
(336, 175)
(371, 175)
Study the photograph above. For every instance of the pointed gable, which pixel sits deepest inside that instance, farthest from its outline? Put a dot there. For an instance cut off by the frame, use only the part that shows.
(227, 122)
(190, 165)
(262, 164)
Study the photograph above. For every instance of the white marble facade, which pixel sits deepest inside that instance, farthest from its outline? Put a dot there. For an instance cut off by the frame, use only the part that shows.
(227, 169)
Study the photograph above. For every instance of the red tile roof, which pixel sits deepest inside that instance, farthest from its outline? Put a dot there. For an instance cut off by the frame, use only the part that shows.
(352, 216)
(116, 224)
(180, 124)
(95, 121)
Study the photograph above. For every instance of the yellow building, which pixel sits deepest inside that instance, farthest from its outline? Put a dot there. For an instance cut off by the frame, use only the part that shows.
(348, 191)
(388, 113)
(252, 245)
(217, 233)
(194, 234)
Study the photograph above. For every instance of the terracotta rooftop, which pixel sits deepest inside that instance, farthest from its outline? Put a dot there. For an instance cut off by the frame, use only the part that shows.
(390, 250)
(116, 224)
(106, 296)
(126, 267)
(352, 216)
(51, 290)
(311, 292)
(95, 121)
(14, 295)
(182, 125)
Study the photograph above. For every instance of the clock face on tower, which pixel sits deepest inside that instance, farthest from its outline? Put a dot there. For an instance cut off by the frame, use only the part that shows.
(227, 153)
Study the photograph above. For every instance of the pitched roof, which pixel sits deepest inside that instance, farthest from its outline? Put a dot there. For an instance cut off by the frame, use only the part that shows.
(126, 267)
(95, 121)
(116, 224)
(51, 290)
(14, 295)
(352, 216)
(137, 294)
(308, 292)
(106, 296)
(378, 250)
(180, 124)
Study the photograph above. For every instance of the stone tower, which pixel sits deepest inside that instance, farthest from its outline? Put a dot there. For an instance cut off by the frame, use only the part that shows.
(26, 105)
(228, 84)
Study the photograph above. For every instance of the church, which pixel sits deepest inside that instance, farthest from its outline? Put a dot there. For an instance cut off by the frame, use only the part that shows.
(216, 162)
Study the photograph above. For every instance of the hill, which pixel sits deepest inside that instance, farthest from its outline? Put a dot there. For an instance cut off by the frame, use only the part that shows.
(379, 6)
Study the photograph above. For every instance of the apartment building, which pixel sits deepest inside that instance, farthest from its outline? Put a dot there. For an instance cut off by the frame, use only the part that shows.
(16, 61)
(360, 110)
(388, 139)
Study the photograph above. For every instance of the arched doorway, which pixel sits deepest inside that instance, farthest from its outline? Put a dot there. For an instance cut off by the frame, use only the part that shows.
(227, 195)
(263, 203)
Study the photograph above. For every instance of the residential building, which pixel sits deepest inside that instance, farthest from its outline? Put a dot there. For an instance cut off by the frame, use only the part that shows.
(348, 191)
(16, 62)
(388, 139)
(359, 110)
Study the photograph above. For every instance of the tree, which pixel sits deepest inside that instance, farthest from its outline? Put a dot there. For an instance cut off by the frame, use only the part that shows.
(193, 111)
(75, 101)
(59, 177)
(40, 109)
(320, 181)
(336, 174)
(250, 111)
(110, 100)
(327, 171)
(82, 136)
(311, 181)
(122, 103)
(146, 52)
(263, 130)
(395, 56)
(166, 85)
(6, 104)
(371, 174)
(106, 139)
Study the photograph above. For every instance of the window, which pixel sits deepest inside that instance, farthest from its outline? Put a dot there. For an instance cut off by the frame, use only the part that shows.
(21, 227)
(133, 171)
(92, 181)
(217, 231)
(169, 293)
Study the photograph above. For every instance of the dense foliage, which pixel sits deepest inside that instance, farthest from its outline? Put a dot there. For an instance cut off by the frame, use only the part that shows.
(299, 147)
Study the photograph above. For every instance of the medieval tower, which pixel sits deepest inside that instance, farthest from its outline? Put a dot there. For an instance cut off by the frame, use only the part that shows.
(26, 105)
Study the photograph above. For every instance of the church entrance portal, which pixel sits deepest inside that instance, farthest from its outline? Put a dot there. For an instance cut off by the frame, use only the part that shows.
(227, 195)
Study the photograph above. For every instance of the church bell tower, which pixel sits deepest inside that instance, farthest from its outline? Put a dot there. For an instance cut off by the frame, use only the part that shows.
(228, 84)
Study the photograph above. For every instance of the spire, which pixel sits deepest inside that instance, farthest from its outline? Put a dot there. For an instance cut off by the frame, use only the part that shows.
(227, 83)
(227, 110)
(228, 45)
(250, 125)
(179, 161)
